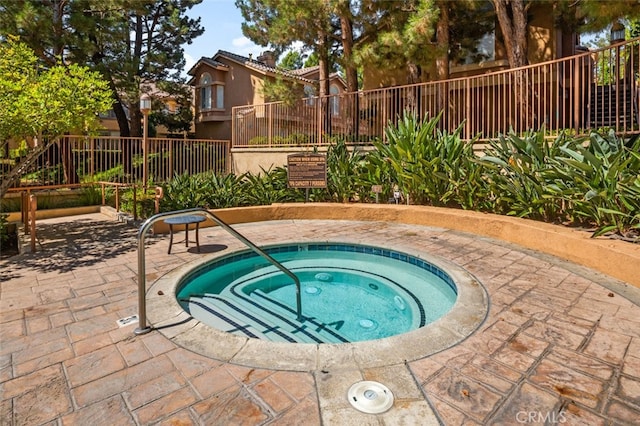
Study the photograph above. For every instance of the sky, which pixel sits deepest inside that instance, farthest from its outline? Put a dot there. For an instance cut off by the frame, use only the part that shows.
(222, 22)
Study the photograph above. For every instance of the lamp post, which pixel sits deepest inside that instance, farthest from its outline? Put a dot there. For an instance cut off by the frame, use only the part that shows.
(617, 34)
(145, 109)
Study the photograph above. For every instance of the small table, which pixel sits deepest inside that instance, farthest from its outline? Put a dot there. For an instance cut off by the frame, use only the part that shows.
(186, 221)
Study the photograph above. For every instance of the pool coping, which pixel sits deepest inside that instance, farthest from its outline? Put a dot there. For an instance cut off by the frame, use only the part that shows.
(470, 310)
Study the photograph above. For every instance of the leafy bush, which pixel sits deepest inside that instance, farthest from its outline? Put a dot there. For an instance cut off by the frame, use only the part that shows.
(223, 191)
(258, 140)
(344, 169)
(4, 231)
(183, 192)
(520, 172)
(269, 187)
(601, 181)
(90, 195)
(144, 205)
(429, 165)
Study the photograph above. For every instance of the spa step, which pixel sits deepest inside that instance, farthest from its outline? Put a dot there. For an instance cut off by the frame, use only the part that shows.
(274, 312)
(220, 315)
(326, 332)
(246, 319)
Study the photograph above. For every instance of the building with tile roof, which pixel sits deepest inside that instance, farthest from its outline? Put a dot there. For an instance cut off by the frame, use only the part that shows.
(227, 80)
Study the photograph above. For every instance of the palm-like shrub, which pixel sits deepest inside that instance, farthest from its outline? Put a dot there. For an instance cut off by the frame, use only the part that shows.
(344, 168)
(223, 191)
(430, 165)
(269, 187)
(184, 192)
(601, 181)
(522, 176)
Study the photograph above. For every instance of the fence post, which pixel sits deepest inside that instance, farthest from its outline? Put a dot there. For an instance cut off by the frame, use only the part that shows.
(158, 197)
(171, 158)
(270, 125)
(319, 122)
(135, 207)
(24, 209)
(33, 206)
(92, 163)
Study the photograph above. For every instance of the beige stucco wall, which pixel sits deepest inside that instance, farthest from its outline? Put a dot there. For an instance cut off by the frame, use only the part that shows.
(251, 160)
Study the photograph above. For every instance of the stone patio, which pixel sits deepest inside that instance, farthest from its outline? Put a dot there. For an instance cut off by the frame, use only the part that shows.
(561, 343)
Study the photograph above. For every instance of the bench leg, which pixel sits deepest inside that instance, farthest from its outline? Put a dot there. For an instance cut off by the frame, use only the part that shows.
(186, 235)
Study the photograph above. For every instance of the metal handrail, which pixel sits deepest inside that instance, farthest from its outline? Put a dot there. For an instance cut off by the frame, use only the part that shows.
(142, 284)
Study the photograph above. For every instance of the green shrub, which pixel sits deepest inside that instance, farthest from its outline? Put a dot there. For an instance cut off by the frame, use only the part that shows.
(429, 165)
(268, 187)
(258, 140)
(144, 205)
(223, 191)
(183, 192)
(601, 181)
(344, 172)
(91, 195)
(520, 172)
(4, 231)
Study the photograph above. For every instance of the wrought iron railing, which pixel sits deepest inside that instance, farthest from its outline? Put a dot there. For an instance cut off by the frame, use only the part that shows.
(591, 90)
(79, 159)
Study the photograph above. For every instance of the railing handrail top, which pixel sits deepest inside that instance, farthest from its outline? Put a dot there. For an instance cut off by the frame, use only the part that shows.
(119, 138)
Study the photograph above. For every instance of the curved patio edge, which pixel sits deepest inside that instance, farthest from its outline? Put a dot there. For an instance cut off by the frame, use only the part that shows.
(615, 258)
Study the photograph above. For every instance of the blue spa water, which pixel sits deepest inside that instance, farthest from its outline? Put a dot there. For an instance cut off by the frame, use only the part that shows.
(349, 293)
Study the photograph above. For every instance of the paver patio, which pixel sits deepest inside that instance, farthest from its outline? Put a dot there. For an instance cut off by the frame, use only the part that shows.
(561, 343)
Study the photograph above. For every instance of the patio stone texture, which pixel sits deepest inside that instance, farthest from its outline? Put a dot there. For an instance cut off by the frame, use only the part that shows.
(560, 344)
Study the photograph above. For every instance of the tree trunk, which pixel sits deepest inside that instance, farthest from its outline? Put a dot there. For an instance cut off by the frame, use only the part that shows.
(351, 73)
(323, 77)
(323, 63)
(512, 17)
(442, 60)
(68, 161)
(350, 70)
(442, 40)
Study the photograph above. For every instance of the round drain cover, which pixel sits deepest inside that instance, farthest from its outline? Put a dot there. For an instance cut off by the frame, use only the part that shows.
(370, 397)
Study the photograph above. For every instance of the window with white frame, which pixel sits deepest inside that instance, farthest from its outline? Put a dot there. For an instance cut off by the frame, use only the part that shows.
(309, 94)
(220, 96)
(334, 100)
(205, 91)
